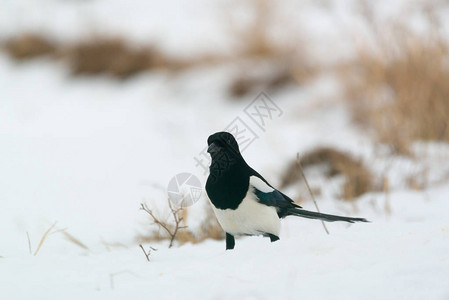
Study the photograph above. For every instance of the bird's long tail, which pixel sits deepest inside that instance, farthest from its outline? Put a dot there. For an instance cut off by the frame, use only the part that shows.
(325, 217)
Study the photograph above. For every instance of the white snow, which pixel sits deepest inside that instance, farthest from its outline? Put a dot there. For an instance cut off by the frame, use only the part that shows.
(85, 152)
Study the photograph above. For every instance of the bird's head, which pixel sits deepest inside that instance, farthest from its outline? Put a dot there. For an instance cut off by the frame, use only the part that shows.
(222, 143)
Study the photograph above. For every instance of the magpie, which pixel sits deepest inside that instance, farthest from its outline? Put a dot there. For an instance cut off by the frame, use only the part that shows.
(243, 201)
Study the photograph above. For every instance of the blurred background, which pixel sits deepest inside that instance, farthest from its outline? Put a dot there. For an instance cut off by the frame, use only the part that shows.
(103, 102)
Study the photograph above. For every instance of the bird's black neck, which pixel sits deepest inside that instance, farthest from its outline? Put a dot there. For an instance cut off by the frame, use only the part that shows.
(228, 181)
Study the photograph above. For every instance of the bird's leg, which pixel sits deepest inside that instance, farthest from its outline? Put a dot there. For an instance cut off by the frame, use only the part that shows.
(230, 241)
(273, 238)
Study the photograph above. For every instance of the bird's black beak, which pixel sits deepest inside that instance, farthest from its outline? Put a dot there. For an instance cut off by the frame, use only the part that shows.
(213, 148)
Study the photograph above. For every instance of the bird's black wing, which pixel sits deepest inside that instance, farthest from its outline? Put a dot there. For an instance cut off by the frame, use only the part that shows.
(268, 195)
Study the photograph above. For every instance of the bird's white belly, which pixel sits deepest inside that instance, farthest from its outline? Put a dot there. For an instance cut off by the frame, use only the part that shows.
(250, 218)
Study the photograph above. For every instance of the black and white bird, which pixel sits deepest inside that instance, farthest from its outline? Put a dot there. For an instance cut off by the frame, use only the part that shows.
(243, 201)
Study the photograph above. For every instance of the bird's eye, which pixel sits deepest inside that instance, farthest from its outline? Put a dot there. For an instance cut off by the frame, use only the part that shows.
(229, 141)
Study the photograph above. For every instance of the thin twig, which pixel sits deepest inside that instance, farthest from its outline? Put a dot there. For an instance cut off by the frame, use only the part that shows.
(43, 238)
(387, 196)
(298, 160)
(29, 243)
(59, 230)
(147, 254)
(112, 276)
(177, 220)
(155, 219)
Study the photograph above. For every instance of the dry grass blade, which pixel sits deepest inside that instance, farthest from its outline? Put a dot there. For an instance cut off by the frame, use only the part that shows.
(310, 191)
(109, 245)
(74, 240)
(29, 243)
(43, 238)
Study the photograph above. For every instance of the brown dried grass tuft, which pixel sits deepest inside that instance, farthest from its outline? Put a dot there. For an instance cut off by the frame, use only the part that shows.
(267, 62)
(254, 40)
(269, 82)
(110, 56)
(97, 56)
(29, 45)
(208, 229)
(358, 179)
(399, 90)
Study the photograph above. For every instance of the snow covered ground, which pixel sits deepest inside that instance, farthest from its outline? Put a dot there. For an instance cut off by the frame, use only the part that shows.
(85, 152)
